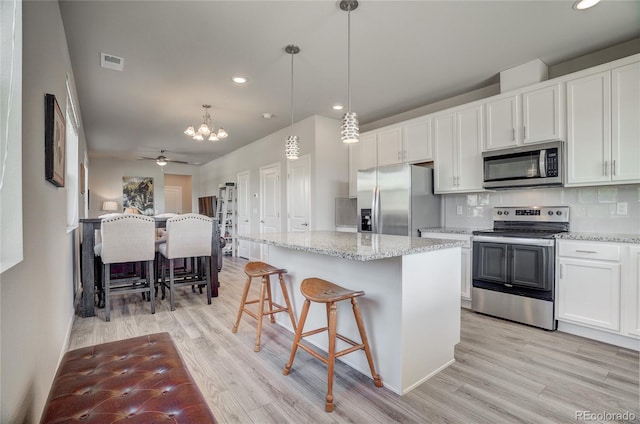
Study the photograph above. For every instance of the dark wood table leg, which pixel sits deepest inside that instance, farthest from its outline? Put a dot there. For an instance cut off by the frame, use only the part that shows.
(215, 252)
(88, 276)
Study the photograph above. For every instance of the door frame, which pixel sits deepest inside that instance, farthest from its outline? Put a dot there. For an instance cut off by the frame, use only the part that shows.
(248, 206)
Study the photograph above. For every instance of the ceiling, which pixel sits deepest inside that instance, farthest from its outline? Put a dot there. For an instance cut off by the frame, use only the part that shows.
(179, 55)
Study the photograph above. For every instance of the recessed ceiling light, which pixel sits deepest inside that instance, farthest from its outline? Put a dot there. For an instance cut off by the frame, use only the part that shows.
(267, 115)
(585, 4)
(337, 107)
(239, 79)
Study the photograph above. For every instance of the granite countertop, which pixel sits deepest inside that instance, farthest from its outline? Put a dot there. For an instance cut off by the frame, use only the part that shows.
(451, 230)
(355, 246)
(616, 238)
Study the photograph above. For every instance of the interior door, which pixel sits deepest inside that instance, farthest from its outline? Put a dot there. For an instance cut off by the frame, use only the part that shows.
(173, 199)
(244, 205)
(269, 203)
(299, 194)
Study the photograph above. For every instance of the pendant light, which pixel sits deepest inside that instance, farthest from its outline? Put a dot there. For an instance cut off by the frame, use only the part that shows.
(350, 130)
(292, 147)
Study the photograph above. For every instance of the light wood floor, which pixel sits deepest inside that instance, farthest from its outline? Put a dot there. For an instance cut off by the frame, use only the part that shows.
(504, 372)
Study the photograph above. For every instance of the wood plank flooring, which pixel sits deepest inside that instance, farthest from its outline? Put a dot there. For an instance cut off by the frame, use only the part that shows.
(504, 372)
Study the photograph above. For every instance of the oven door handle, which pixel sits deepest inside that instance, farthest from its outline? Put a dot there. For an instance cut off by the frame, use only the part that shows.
(515, 240)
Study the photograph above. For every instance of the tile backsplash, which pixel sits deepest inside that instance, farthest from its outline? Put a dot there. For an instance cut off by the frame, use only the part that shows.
(606, 209)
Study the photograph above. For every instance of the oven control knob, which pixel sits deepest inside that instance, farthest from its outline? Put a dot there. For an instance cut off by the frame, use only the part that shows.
(506, 212)
(558, 212)
(499, 212)
(550, 212)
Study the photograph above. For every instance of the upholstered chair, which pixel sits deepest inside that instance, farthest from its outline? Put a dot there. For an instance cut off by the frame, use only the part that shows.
(188, 236)
(127, 238)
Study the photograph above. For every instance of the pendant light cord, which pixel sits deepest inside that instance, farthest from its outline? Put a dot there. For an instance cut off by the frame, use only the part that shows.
(293, 54)
(349, 58)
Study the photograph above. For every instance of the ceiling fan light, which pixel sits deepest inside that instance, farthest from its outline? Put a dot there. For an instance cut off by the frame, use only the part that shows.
(213, 137)
(222, 133)
(350, 130)
(161, 162)
(190, 131)
(198, 137)
(292, 147)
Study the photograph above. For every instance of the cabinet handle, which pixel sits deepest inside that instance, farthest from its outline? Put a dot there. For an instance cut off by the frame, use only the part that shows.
(524, 131)
(513, 134)
(613, 167)
(585, 251)
(304, 224)
(262, 221)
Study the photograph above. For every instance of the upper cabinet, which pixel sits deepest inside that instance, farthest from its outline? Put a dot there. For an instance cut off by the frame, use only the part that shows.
(457, 136)
(602, 127)
(390, 149)
(528, 116)
(408, 142)
(362, 155)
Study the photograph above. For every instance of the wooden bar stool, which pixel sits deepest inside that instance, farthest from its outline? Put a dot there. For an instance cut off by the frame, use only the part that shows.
(321, 291)
(263, 270)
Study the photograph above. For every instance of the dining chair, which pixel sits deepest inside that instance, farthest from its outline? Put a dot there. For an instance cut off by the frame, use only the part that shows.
(127, 238)
(188, 236)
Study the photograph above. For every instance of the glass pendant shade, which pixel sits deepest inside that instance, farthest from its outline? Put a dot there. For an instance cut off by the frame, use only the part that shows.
(198, 137)
(204, 130)
(350, 129)
(292, 148)
(222, 133)
(190, 131)
(213, 137)
(161, 162)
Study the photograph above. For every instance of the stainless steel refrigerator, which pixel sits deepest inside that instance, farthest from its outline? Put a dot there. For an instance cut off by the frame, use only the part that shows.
(397, 199)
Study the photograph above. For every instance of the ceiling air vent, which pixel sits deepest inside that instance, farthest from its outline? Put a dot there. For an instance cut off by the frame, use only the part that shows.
(110, 61)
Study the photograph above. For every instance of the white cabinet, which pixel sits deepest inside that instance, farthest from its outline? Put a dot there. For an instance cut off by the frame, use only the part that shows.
(465, 280)
(602, 127)
(529, 116)
(457, 136)
(631, 294)
(390, 149)
(416, 140)
(589, 283)
(362, 155)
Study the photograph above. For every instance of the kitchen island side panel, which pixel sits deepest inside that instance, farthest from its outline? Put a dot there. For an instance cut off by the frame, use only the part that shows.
(411, 309)
(430, 314)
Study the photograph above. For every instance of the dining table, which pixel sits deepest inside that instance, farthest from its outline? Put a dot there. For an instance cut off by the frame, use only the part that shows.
(87, 305)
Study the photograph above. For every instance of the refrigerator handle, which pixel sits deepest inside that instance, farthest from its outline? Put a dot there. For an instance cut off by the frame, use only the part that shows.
(376, 210)
(373, 209)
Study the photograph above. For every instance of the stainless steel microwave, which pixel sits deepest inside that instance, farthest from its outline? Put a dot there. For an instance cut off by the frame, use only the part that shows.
(538, 165)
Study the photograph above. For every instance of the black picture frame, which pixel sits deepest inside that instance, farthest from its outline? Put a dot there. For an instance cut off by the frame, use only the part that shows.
(54, 142)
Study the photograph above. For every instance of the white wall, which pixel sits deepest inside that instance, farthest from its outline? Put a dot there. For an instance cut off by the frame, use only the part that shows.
(37, 294)
(105, 181)
(593, 209)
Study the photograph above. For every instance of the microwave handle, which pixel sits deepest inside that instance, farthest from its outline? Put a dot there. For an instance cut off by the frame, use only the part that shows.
(542, 163)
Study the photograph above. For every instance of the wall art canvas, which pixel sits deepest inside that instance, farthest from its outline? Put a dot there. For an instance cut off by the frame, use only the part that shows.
(54, 142)
(137, 195)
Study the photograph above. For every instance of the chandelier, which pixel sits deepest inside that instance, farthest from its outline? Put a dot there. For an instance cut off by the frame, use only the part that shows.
(206, 129)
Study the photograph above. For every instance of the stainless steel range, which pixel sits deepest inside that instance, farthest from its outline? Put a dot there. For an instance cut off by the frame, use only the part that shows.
(514, 264)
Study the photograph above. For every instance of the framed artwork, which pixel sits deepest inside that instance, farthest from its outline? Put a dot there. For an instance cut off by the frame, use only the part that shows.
(54, 142)
(82, 178)
(137, 195)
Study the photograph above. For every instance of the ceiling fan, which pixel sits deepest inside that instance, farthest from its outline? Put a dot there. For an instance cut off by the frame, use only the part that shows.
(162, 160)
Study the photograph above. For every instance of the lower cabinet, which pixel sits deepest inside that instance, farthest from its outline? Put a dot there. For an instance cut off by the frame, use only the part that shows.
(465, 280)
(597, 286)
(631, 294)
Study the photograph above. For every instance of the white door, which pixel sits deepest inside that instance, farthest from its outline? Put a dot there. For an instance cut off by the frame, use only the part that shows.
(469, 137)
(244, 207)
(269, 203)
(541, 115)
(172, 199)
(299, 194)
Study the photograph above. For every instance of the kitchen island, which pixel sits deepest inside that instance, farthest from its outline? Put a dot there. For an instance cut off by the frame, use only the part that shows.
(411, 307)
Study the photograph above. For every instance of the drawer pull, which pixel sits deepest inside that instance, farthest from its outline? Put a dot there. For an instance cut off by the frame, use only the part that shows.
(586, 251)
